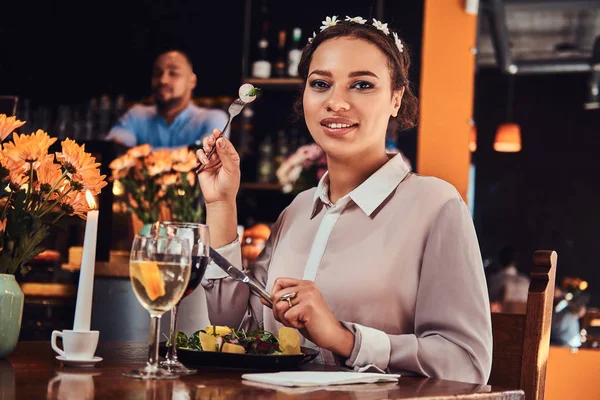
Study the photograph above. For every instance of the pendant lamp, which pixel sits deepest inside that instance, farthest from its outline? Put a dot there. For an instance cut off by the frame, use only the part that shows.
(473, 138)
(508, 135)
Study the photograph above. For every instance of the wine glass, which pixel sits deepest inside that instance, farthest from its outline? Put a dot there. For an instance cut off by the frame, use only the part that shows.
(199, 241)
(159, 269)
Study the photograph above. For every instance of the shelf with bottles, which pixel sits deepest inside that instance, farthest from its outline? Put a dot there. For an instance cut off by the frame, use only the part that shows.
(275, 83)
(272, 66)
(260, 186)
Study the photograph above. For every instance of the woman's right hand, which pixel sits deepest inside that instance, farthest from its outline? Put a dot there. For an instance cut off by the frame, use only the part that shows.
(220, 177)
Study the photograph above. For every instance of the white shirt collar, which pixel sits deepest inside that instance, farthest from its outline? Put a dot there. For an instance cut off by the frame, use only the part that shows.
(372, 192)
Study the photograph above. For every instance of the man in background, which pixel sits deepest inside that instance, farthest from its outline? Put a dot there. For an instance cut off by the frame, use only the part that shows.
(507, 287)
(173, 120)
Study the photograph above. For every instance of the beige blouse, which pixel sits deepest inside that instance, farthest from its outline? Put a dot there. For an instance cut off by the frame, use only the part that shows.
(398, 262)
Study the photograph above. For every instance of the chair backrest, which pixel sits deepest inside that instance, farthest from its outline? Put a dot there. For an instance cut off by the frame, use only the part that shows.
(522, 341)
(8, 105)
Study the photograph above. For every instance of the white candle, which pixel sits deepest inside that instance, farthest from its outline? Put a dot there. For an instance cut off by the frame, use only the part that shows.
(85, 289)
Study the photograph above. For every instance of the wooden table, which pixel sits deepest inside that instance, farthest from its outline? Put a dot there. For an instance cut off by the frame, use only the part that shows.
(32, 372)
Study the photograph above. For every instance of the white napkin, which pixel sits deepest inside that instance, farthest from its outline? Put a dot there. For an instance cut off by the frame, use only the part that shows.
(319, 378)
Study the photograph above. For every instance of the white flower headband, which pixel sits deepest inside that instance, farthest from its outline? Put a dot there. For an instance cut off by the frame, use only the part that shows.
(333, 21)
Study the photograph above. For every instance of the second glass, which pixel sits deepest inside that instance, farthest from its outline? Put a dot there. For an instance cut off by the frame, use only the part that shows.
(159, 269)
(198, 237)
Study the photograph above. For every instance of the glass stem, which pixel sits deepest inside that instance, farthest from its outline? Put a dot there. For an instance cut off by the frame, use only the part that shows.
(173, 349)
(153, 341)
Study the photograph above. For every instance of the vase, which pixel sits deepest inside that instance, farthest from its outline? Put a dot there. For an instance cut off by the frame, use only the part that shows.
(11, 312)
(145, 230)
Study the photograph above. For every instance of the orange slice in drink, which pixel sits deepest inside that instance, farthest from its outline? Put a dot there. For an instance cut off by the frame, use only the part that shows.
(151, 279)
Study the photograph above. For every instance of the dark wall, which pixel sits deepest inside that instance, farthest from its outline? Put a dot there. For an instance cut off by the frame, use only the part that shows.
(547, 196)
(66, 52)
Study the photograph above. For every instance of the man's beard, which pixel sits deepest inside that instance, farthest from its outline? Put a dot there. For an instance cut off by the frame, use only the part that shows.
(173, 102)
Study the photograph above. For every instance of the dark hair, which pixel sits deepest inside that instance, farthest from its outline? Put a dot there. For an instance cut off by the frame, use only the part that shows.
(175, 50)
(506, 256)
(398, 64)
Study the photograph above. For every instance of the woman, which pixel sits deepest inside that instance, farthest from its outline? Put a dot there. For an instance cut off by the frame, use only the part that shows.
(383, 265)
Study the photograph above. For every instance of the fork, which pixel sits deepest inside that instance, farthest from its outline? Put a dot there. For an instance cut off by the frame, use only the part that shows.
(234, 109)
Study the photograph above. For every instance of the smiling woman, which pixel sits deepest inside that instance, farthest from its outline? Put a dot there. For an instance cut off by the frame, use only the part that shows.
(377, 267)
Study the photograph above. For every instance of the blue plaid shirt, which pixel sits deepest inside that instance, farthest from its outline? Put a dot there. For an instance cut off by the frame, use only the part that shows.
(143, 124)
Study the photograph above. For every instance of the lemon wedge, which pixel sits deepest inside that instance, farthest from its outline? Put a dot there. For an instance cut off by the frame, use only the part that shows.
(208, 342)
(217, 330)
(233, 348)
(289, 342)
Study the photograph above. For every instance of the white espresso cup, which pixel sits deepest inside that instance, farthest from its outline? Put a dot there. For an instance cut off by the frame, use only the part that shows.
(77, 345)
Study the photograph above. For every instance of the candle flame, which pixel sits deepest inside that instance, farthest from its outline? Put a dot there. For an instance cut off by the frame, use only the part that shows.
(90, 200)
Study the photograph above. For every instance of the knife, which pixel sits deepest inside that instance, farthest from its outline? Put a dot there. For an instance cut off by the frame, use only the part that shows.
(239, 275)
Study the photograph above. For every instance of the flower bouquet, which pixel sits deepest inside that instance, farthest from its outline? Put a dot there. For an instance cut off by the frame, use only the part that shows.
(155, 179)
(37, 189)
(303, 169)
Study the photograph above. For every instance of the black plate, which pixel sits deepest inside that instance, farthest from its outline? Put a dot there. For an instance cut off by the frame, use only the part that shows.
(198, 358)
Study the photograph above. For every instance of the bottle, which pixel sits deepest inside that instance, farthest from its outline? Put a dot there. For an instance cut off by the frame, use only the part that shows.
(118, 109)
(295, 53)
(90, 124)
(245, 145)
(280, 61)
(261, 68)
(104, 115)
(266, 172)
(282, 151)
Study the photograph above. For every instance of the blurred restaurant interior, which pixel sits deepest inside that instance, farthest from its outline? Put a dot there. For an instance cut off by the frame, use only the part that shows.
(523, 71)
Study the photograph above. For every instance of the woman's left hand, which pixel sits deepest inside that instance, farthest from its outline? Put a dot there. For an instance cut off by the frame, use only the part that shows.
(310, 314)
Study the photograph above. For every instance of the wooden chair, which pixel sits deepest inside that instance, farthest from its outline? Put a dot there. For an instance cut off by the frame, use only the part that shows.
(522, 341)
(8, 105)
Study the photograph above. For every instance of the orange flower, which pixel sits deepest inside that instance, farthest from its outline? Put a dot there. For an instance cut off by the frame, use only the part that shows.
(8, 124)
(180, 155)
(139, 151)
(186, 162)
(48, 158)
(18, 178)
(74, 159)
(82, 168)
(162, 155)
(75, 203)
(168, 180)
(120, 166)
(29, 148)
(191, 178)
(48, 174)
(159, 168)
(8, 164)
(89, 179)
(158, 162)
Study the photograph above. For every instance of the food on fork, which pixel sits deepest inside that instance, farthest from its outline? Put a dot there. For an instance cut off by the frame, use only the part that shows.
(247, 92)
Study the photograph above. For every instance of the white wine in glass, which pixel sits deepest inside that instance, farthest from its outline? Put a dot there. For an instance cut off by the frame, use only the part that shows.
(159, 268)
(199, 238)
(158, 285)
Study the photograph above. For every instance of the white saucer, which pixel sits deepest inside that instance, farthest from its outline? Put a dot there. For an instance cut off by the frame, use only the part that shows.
(80, 362)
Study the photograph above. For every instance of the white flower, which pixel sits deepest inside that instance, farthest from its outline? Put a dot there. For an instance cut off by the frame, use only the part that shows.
(381, 26)
(398, 42)
(310, 39)
(358, 20)
(329, 21)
